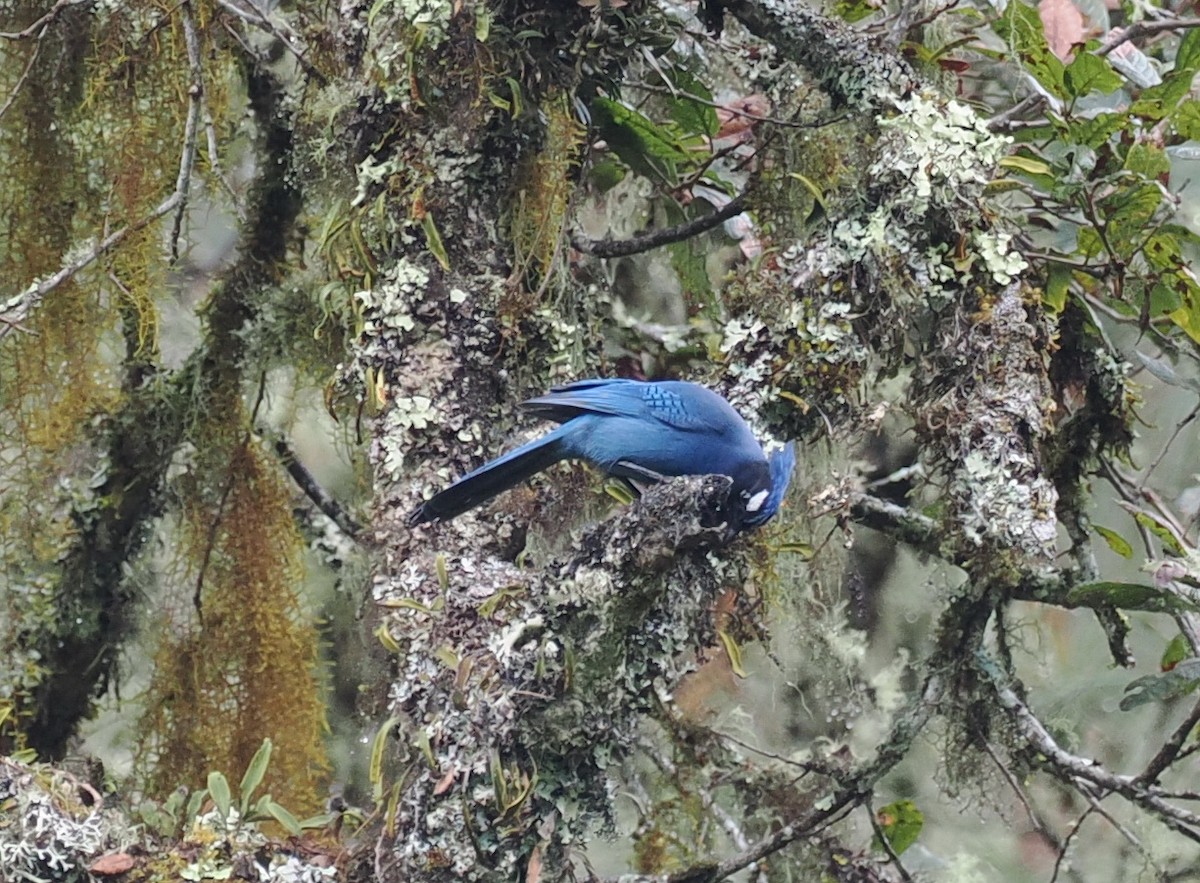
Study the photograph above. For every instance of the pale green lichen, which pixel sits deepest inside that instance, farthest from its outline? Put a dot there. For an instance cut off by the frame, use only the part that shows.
(431, 18)
(1000, 260)
(942, 148)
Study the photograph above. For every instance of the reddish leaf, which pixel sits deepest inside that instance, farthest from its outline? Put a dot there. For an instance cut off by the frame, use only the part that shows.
(1063, 24)
(741, 114)
(112, 864)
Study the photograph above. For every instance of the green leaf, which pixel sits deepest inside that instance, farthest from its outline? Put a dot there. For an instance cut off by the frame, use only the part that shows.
(619, 491)
(1129, 596)
(1147, 160)
(1131, 209)
(483, 23)
(1162, 100)
(1090, 73)
(1187, 120)
(384, 635)
(1115, 541)
(1097, 131)
(817, 194)
(434, 240)
(734, 652)
(650, 150)
(694, 115)
(901, 823)
(1160, 530)
(1187, 58)
(288, 821)
(1021, 28)
(1163, 686)
(1187, 290)
(375, 766)
(1176, 651)
(253, 776)
(1027, 164)
(193, 805)
(321, 820)
(1163, 251)
(218, 790)
(806, 551)
(852, 11)
(1058, 286)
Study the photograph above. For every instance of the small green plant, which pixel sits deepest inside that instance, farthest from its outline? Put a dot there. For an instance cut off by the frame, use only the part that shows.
(181, 809)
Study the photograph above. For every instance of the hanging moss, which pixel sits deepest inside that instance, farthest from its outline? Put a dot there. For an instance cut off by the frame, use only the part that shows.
(239, 660)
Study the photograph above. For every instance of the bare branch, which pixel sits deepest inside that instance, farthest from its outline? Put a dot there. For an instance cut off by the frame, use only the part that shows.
(259, 19)
(17, 308)
(853, 791)
(16, 89)
(1145, 29)
(39, 26)
(610, 248)
(1076, 770)
(195, 94)
(731, 825)
(313, 490)
(1169, 752)
(898, 522)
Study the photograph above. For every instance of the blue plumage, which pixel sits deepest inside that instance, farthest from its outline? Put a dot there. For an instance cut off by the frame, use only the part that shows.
(642, 432)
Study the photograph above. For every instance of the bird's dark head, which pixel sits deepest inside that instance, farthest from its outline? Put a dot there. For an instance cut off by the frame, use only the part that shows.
(759, 488)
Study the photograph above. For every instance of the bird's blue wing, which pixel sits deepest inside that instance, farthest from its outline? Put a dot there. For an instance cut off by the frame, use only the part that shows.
(678, 404)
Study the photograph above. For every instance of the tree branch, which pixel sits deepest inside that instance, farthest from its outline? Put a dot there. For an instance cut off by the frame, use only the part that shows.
(610, 248)
(1074, 769)
(313, 490)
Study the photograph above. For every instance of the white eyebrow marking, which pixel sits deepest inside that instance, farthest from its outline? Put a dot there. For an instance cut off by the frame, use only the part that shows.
(755, 502)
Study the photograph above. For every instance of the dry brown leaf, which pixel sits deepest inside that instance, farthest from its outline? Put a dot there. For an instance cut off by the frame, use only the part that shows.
(112, 864)
(445, 782)
(741, 113)
(1063, 24)
(533, 873)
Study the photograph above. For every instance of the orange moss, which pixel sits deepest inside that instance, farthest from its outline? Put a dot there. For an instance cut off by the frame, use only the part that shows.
(244, 667)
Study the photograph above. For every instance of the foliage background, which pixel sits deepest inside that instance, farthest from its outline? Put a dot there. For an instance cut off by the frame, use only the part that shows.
(246, 246)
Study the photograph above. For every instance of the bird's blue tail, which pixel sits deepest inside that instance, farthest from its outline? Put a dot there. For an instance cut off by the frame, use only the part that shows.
(493, 478)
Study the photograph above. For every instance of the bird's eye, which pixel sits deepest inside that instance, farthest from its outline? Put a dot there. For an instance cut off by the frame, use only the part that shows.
(755, 503)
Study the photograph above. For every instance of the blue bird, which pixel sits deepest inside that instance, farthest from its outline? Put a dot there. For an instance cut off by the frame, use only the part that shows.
(641, 432)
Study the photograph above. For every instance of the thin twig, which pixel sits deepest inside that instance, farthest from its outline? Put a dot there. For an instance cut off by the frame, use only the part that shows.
(1066, 844)
(1094, 801)
(844, 798)
(1001, 121)
(1179, 427)
(218, 519)
(16, 89)
(1072, 768)
(1170, 749)
(1034, 819)
(262, 21)
(42, 23)
(313, 490)
(17, 309)
(616, 248)
(1140, 29)
(731, 825)
(195, 95)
